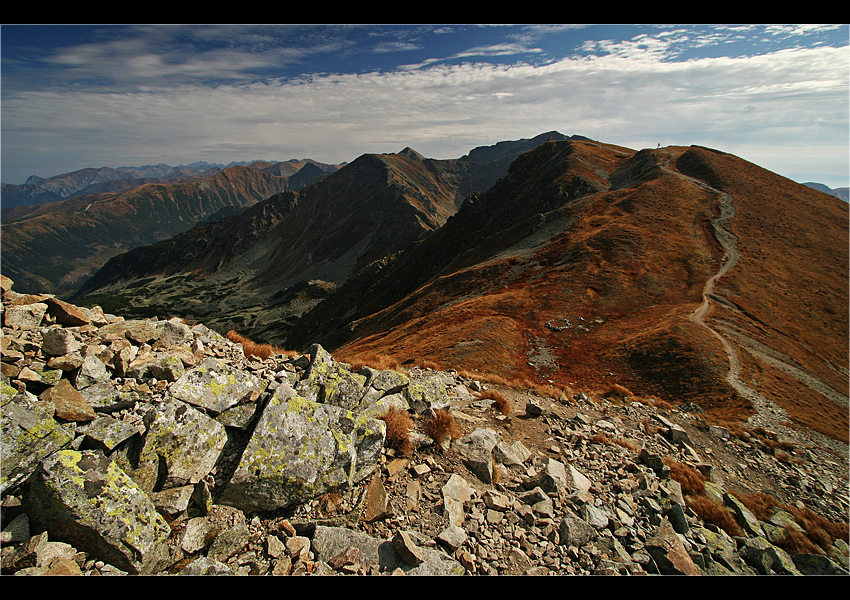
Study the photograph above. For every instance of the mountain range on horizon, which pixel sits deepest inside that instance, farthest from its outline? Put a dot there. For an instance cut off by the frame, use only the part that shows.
(682, 272)
(40, 190)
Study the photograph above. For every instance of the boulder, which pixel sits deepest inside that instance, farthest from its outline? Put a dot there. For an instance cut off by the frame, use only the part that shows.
(70, 405)
(301, 449)
(180, 446)
(26, 316)
(476, 451)
(216, 386)
(84, 498)
(29, 434)
(328, 382)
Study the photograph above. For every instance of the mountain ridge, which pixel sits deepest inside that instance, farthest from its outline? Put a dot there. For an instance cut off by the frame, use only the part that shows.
(373, 207)
(627, 319)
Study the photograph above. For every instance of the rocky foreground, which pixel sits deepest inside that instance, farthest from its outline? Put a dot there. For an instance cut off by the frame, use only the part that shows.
(158, 447)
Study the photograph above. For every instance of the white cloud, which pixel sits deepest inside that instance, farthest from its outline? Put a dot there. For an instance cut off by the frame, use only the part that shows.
(630, 95)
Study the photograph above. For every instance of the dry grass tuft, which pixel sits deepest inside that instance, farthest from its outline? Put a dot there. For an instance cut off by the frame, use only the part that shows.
(795, 542)
(617, 391)
(648, 427)
(375, 360)
(691, 480)
(711, 511)
(496, 379)
(399, 425)
(443, 427)
(628, 445)
(429, 364)
(600, 438)
(762, 505)
(662, 404)
(818, 529)
(499, 401)
(250, 348)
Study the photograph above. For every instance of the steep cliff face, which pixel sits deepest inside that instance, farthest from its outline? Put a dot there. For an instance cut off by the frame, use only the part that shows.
(683, 272)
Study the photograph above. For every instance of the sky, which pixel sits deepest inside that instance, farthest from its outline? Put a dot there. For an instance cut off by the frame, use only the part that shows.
(78, 96)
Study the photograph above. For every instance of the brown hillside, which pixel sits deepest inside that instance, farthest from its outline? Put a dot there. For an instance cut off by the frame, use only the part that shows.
(587, 266)
(58, 250)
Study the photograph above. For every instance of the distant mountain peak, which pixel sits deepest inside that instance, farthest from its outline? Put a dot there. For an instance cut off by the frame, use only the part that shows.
(410, 152)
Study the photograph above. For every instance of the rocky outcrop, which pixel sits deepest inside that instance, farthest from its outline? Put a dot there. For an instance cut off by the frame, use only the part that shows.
(155, 446)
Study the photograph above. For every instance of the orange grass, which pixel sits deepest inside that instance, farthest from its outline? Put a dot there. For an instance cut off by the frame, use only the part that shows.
(691, 480)
(499, 401)
(399, 425)
(250, 348)
(819, 530)
(711, 511)
(443, 427)
(375, 360)
(617, 391)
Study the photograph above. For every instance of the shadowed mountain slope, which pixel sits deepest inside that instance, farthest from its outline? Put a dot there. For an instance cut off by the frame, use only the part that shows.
(263, 267)
(681, 272)
(58, 250)
(259, 270)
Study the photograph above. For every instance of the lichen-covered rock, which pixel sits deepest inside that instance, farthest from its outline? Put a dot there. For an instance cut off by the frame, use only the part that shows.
(29, 434)
(84, 498)
(326, 381)
(106, 432)
(180, 447)
(380, 384)
(216, 386)
(104, 397)
(429, 392)
(300, 449)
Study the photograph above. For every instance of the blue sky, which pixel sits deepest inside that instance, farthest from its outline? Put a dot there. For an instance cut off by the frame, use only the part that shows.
(96, 95)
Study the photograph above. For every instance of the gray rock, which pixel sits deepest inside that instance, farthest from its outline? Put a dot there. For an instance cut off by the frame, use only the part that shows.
(745, 518)
(105, 433)
(817, 564)
(426, 393)
(555, 477)
(180, 447)
(669, 553)
(301, 449)
(327, 382)
(91, 372)
(85, 499)
(575, 531)
(512, 454)
(26, 316)
(476, 451)
(58, 341)
(216, 386)
(206, 566)
(29, 434)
